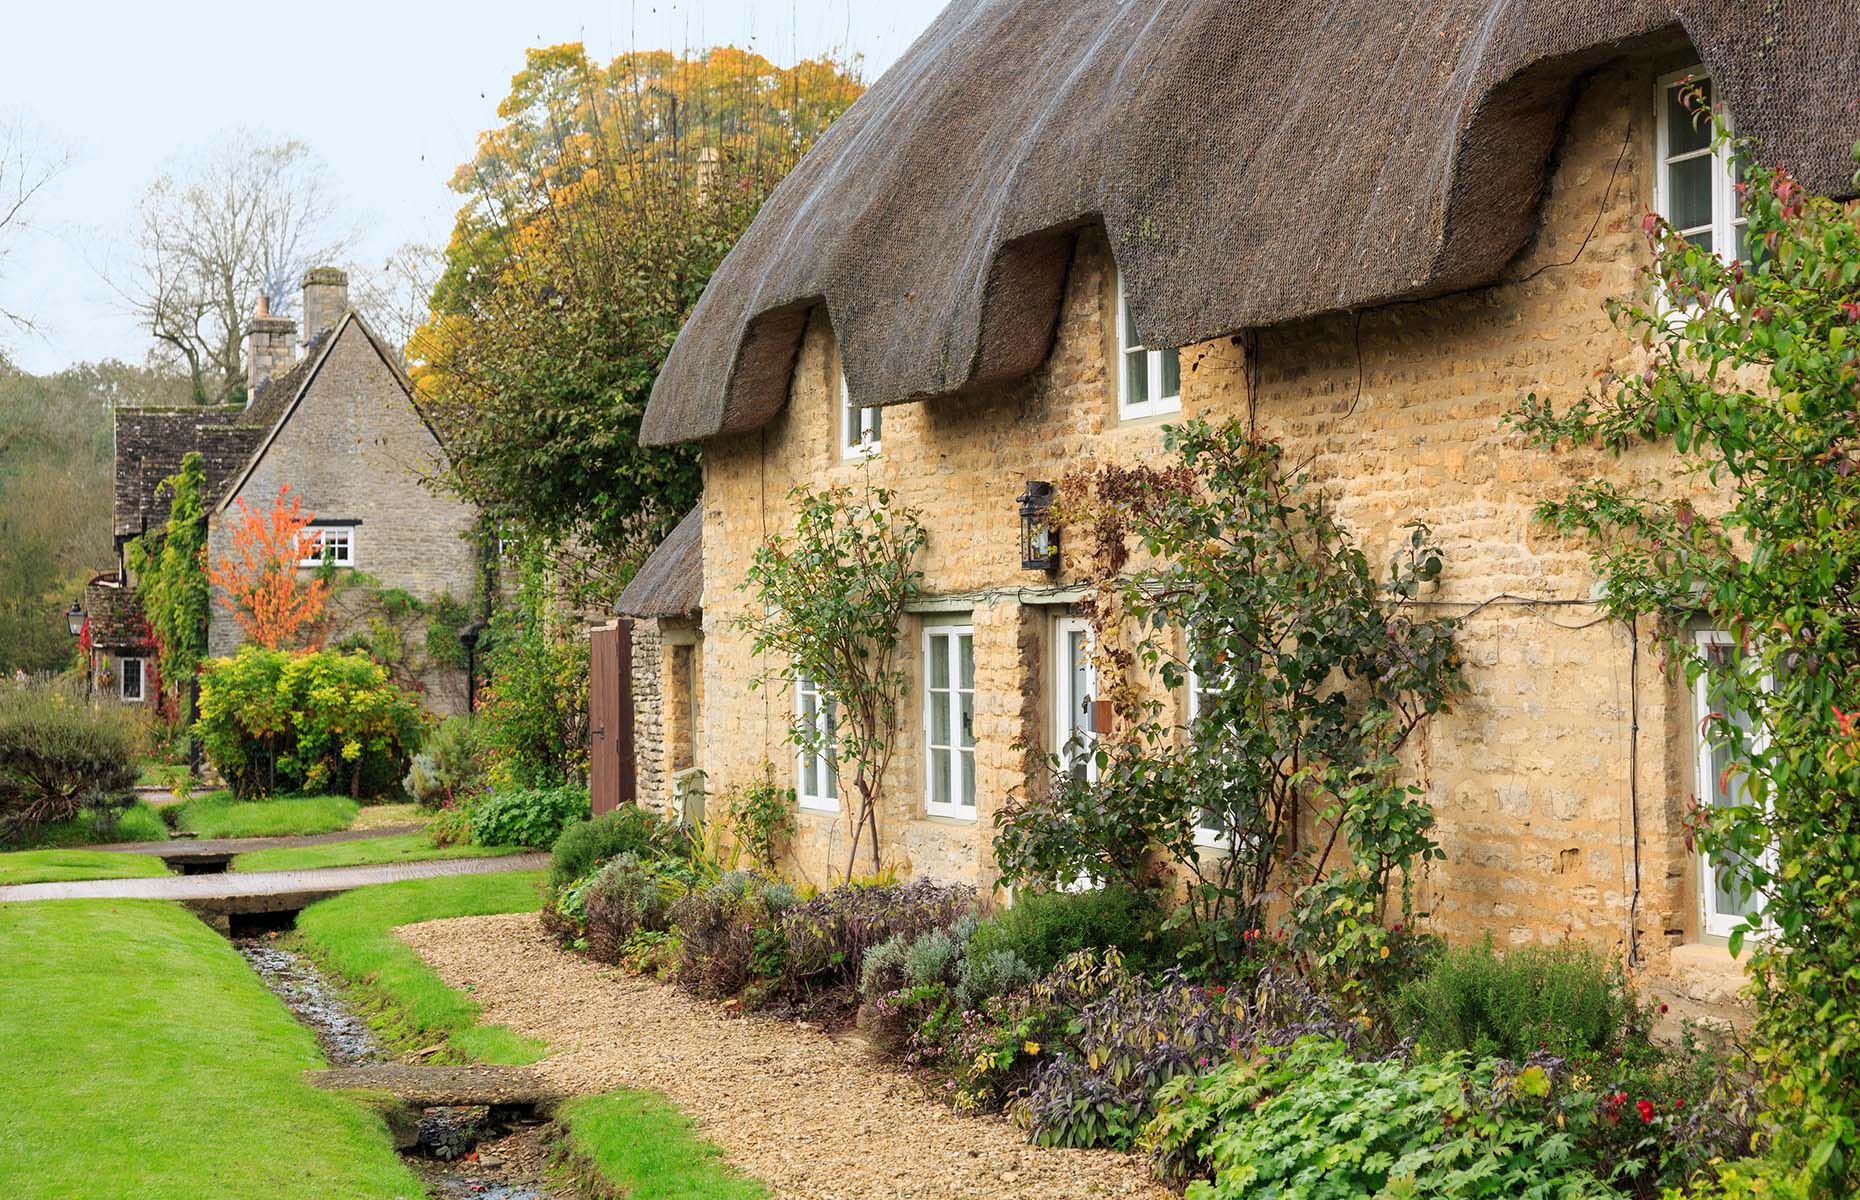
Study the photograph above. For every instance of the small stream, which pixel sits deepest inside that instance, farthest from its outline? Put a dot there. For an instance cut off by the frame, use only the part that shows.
(505, 1163)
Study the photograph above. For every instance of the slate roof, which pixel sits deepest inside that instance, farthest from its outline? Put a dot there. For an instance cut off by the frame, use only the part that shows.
(1252, 162)
(670, 583)
(150, 444)
(115, 616)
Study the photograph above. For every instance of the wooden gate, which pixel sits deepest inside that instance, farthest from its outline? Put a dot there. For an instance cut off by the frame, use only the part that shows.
(612, 774)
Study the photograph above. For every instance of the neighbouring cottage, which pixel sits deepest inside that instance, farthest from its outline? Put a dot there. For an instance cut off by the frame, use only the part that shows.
(1050, 230)
(333, 415)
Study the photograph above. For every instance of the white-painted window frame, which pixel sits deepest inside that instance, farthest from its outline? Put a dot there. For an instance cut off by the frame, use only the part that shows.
(1064, 702)
(815, 762)
(860, 428)
(142, 679)
(1711, 921)
(318, 537)
(1215, 837)
(1156, 405)
(946, 639)
(1726, 220)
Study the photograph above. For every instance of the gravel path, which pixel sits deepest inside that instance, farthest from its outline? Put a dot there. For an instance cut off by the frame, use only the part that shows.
(813, 1118)
(267, 883)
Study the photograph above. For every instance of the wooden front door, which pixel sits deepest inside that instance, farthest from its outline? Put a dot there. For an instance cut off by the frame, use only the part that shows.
(611, 770)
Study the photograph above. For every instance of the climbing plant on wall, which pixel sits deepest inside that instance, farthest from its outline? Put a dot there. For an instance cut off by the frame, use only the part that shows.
(170, 570)
(1748, 371)
(829, 600)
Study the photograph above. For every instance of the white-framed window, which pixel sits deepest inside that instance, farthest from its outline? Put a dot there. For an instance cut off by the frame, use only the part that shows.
(949, 721)
(1210, 829)
(1726, 897)
(1696, 185)
(1075, 687)
(332, 543)
(816, 773)
(1149, 382)
(132, 679)
(860, 428)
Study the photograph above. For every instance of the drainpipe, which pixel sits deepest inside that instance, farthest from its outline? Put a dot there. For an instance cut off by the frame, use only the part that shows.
(1634, 786)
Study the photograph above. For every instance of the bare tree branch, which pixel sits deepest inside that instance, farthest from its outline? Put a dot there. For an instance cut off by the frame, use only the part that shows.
(26, 167)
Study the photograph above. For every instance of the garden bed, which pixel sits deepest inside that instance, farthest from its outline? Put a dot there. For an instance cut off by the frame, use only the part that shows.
(810, 1115)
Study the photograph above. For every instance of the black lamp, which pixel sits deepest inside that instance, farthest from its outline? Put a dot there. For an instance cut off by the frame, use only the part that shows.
(1039, 538)
(468, 637)
(74, 618)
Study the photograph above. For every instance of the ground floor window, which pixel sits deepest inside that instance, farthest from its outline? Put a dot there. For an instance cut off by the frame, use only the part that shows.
(1727, 896)
(1075, 686)
(816, 775)
(949, 721)
(130, 677)
(1203, 681)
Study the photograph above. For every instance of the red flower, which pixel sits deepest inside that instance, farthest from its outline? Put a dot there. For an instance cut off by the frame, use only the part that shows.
(1645, 1109)
(1663, 1009)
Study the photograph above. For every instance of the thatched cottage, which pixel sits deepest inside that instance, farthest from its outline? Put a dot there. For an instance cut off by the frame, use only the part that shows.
(1052, 229)
(332, 414)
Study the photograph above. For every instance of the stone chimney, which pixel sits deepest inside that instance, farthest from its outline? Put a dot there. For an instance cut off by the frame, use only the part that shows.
(267, 347)
(326, 298)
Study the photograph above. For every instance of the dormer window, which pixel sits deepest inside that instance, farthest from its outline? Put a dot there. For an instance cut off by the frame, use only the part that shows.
(1696, 190)
(1149, 381)
(331, 544)
(859, 427)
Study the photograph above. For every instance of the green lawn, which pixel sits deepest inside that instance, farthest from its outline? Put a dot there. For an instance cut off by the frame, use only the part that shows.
(140, 1057)
(219, 815)
(156, 774)
(350, 936)
(139, 823)
(643, 1148)
(395, 848)
(57, 866)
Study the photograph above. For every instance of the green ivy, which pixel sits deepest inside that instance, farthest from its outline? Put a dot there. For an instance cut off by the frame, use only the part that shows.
(170, 570)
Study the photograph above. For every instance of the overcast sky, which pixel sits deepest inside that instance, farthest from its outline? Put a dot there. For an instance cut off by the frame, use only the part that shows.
(390, 93)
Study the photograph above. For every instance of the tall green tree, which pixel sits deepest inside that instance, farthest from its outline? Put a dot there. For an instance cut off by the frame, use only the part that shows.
(594, 217)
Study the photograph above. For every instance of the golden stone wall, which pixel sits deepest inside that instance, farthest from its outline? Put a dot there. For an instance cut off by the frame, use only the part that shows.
(1400, 415)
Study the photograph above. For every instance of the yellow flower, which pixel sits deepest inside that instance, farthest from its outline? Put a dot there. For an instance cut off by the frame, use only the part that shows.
(1031, 1047)
(1385, 952)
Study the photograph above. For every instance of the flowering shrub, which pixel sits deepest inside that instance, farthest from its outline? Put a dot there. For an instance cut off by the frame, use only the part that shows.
(273, 721)
(723, 927)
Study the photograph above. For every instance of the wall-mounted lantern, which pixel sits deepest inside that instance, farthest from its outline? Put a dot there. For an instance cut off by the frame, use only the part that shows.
(1039, 538)
(468, 638)
(74, 619)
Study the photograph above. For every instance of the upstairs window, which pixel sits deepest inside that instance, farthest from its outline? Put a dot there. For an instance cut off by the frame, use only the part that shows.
(816, 774)
(332, 544)
(1696, 190)
(859, 427)
(949, 721)
(1149, 382)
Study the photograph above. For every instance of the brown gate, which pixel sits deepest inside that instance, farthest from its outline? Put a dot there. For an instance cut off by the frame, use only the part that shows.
(611, 770)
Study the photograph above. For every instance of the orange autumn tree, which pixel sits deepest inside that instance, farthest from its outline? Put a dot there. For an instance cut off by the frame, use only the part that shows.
(259, 581)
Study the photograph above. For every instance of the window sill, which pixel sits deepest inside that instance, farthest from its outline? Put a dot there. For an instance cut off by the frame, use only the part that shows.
(817, 809)
(949, 820)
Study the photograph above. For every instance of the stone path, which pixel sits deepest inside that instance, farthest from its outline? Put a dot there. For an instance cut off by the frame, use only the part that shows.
(322, 881)
(426, 1087)
(812, 1117)
(207, 846)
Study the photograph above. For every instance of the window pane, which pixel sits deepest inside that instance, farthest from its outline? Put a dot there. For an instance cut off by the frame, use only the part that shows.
(1136, 378)
(967, 648)
(1171, 373)
(939, 777)
(875, 421)
(965, 718)
(939, 718)
(1682, 134)
(968, 778)
(1688, 192)
(939, 661)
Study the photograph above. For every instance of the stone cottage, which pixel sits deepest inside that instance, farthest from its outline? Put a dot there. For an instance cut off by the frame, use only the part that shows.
(1051, 230)
(332, 414)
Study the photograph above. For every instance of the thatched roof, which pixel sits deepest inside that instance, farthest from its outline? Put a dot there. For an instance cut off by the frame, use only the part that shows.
(670, 582)
(1252, 162)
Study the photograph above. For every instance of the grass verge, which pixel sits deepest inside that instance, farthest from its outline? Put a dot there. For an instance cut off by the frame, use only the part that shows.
(59, 866)
(139, 823)
(141, 1057)
(351, 936)
(219, 815)
(396, 848)
(639, 1145)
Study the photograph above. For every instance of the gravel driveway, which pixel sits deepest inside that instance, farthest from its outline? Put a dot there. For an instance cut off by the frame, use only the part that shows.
(813, 1118)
